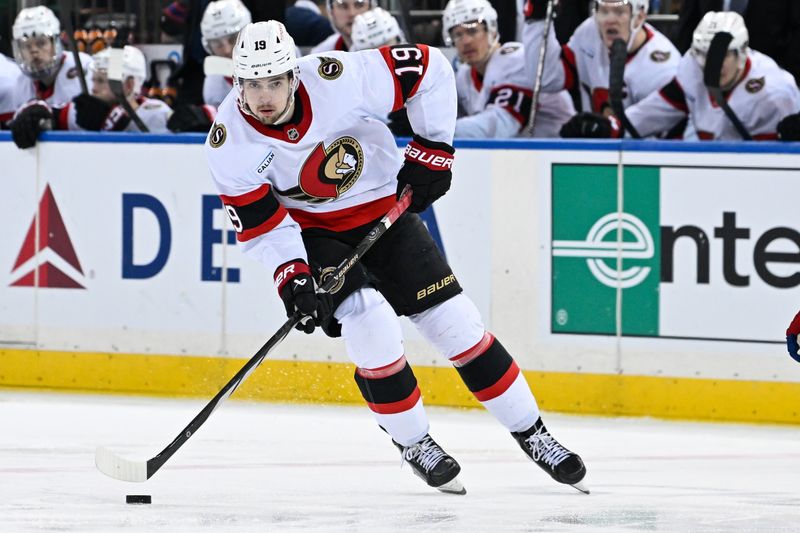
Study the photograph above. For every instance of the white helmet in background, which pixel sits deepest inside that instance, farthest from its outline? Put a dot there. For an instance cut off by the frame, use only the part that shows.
(223, 18)
(263, 50)
(637, 6)
(458, 12)
(32, 23)
(715, 22)
(134, 65)
(375, 28)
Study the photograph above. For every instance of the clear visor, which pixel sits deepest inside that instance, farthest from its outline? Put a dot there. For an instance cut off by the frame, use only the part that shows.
(223, 46)
(617, 12)
(38, 55)
(467, 30)
(357, 5)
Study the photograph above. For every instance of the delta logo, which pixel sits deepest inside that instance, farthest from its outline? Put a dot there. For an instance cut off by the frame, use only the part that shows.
(47, 257)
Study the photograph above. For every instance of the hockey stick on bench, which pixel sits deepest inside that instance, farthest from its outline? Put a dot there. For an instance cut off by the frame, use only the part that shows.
(537, 82)
(712, 72)
(115, 79)
(118, 467)
(616, 83)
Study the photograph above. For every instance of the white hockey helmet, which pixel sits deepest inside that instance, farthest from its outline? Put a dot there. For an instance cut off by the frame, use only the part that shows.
(374, 28)
(458, 12)
(263, 50)
(31, 23)
(222, 18)
(637, 6)
(134, 65)
(717, 21)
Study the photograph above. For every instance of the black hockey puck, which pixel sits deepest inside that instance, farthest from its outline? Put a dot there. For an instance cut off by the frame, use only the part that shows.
(138, 498)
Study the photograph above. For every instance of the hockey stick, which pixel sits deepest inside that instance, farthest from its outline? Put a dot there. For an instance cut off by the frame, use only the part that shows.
(616, 82)
(117, 467)
(712, 72)
(405, 21)
(65, 10)
(218, 66)
(115, 58)
(537, 84)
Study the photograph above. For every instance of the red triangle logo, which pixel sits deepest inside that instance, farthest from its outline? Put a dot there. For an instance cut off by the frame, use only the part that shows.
(52, 234)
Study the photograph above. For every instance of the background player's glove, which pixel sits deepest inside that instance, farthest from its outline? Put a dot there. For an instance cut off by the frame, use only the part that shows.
(428, 169)
(791, 338)
(29, 123)
(590, 126)
(188, 117)
(91, 112)
(297, 290)
(789, 128)
(534, 9)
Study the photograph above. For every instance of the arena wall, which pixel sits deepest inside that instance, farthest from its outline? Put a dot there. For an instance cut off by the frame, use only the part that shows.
(627, 278)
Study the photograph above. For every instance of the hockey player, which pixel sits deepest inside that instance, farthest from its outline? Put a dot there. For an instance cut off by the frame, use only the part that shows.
(304, 176)
(758, 91)
(494, 91)
(219, 26)
(375, 28)
(53, 76)
(583, 63)
(99, 110)
(342, 14)
(10, 77)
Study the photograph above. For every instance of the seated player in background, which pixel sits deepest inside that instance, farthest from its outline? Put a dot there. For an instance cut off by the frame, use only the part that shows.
(342, 14)
(10, 77)
(98, 111)
(329, 175)
(494, 90)
(583, 64)
(758, 92)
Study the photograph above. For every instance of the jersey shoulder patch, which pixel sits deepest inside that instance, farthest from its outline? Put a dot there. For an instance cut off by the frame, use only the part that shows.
(660, 56)
(754, 85)
(329, 68)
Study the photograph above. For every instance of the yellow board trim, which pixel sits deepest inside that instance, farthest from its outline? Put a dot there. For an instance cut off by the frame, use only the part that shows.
(303, 381)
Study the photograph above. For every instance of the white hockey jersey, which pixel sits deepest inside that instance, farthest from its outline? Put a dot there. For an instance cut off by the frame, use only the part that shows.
(66, 87)
(765, 95)
(584, 64)
(216, 88)
(154, 115)
(335, 41)
(10, 78)
(332, 165)
(497, 105)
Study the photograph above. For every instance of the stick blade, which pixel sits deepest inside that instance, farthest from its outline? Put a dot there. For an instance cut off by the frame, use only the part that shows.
(117, 467)
(218, 66)
(115, 59)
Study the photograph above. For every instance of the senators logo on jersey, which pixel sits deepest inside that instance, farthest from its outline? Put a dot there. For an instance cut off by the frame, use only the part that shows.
(328, 172)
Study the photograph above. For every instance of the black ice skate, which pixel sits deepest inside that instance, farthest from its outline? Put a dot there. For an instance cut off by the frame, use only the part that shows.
(563, 465)
(431, 463)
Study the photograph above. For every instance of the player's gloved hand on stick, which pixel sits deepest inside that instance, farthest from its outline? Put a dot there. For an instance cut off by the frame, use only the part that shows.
(29, 123)
(590, 126)
(90, 112)
(791, 338)
(534, 9)
(188, 117)
(297, 290)
(789, 128)
(428, 170)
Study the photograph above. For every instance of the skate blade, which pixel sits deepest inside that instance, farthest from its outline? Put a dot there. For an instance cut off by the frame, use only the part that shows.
(453, 486)
(581, 486)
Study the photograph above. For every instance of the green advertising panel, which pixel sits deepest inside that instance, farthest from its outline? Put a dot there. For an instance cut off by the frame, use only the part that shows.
(590, 260)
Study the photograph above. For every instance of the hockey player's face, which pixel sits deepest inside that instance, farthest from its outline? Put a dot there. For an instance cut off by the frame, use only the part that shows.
(267, 98)
(343, 13)
(37, 52)
(614, 22)
(472, 42)
(100, 87)
(223, 46)
(730, 70)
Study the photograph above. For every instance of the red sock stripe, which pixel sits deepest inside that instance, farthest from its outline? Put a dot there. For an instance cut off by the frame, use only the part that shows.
(396, 407)
(502, 385)
(473, 353)
(384, 371)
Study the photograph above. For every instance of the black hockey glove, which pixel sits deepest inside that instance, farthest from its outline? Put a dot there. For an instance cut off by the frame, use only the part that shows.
(91, 112)
(29, 123)
(534, 10)
(399, 124)
(590, 126)
(297, 290)
(789, 128)
(188, 117)
(428, 170)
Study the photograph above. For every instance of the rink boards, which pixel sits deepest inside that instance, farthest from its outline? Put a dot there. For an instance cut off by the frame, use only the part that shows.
(645, 279)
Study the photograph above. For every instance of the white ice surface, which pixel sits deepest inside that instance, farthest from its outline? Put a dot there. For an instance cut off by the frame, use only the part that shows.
(266, 467)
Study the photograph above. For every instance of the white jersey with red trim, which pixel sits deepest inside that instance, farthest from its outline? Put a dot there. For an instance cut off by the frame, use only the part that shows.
(497, 105)
(154, 115)
(584, 63)
(762, 98)
(67, 85)
(10, 78)
(332, 165)
(335, 41)
(216, 88)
